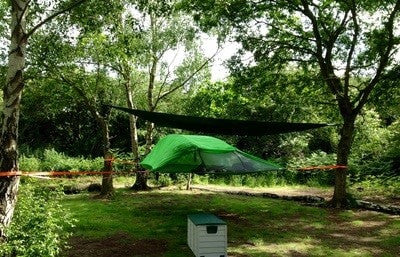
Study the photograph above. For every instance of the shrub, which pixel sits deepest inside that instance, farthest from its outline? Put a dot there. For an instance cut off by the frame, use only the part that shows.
(39, 224)
(29, 163)
(373, 186)
(317, 177)
(51, 160)
(164, 180)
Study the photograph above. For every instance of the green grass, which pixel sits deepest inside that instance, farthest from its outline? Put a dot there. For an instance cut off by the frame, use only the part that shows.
(256, 226)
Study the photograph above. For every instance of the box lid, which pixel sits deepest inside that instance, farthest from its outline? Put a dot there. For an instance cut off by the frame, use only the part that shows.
(205, 219)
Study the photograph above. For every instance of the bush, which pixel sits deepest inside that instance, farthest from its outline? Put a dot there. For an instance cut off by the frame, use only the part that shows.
(373, 186)
(51, 160)
(317, 177)
(39, 224)
(164, 180)
(270, 178)
(29, 163)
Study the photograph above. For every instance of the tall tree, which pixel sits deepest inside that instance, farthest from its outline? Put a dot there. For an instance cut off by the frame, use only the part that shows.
(117, 48)
(20, 30)
(353, 43)
(101, 114)
(166, 36)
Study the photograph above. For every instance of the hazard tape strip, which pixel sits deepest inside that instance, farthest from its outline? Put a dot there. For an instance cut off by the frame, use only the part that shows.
(53, 173)
(64, 173)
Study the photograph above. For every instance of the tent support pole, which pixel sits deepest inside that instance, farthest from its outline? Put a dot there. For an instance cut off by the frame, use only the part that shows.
(189, 181)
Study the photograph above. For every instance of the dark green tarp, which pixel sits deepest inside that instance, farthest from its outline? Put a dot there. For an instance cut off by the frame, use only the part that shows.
(220, 126)
(201, 154)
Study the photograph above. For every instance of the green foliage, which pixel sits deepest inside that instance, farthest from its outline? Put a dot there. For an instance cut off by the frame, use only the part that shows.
(372, 138)
(29, 163)
(377, 150)
(40, 223)
(267, 179)
(164, 180)
(51, 160)
(315, 177)
(315, 159)
(375, 187)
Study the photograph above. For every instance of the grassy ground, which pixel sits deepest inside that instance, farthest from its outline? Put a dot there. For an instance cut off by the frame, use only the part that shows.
(154, 224)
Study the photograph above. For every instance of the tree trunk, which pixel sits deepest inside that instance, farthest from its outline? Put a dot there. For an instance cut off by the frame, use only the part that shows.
(140, 182)
(339, 199)
(141, 177)
(107, 181)
(189, 181)
(8, 194)
(132, 122)
(149, 136)
(10, 116)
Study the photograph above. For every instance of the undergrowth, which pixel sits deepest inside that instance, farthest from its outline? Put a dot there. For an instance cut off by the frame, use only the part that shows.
(40, 223)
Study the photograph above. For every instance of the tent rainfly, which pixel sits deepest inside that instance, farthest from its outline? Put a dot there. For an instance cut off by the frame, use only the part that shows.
(220, 126)
(201, 154)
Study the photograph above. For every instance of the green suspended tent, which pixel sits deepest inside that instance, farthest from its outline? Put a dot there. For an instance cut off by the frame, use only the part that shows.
(201, 154)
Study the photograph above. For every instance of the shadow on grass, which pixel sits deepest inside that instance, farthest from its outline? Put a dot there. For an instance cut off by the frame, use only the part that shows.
(256, 226)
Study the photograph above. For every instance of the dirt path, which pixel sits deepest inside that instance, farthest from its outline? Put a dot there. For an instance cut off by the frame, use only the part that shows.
(314, 196)
(282, 191)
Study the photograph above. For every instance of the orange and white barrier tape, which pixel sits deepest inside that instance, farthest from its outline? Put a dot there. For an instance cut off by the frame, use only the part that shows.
(53, 173)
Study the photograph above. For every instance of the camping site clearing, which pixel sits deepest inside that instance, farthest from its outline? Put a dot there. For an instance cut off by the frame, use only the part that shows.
(154, 223)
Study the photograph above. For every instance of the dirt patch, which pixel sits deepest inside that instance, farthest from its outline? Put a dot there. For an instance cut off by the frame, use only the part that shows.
(230, 254)
(232, 217)
(119, 245)
(293, 253)
(394, 201)
(285, 191)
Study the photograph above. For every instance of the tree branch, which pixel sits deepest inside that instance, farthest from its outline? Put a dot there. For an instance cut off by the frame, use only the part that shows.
(54, 15)
(384, 60)
(326, 67)
(318, 40)
(285, 44)
(23, 12)
(352, 48)
(167, 75)
(335, 35)
(86, 101)
(165, 94)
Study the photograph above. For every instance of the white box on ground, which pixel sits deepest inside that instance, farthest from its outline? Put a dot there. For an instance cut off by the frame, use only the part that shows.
(207, 235)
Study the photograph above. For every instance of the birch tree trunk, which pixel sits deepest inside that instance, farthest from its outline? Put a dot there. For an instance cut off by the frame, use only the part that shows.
(10, 116)
(141, 177)
(150, 103)
(132, 121)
